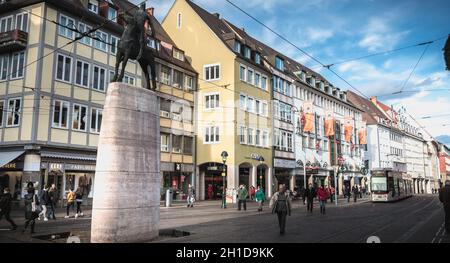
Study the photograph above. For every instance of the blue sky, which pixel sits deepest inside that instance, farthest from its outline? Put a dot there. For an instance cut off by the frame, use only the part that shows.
(333, 30)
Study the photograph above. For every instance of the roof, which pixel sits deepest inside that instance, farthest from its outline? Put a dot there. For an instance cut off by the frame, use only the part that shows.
(371, 112)
(76, 8)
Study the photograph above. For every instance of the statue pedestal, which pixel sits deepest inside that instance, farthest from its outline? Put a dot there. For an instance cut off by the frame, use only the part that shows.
(127, 176)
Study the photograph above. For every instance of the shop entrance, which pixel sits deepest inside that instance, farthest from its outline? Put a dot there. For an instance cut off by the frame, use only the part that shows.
(4, 182)
(261, 176)
(244, 175)
(213, 180)
(282, 176)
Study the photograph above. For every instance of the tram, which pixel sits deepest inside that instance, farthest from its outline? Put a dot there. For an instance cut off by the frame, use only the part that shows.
(388, 185)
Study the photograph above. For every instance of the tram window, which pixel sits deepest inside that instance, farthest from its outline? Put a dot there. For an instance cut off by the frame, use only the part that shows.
(379, 184)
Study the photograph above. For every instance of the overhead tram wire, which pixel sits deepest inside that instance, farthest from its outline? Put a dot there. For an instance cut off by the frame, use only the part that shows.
(295, 46)
(413, 91)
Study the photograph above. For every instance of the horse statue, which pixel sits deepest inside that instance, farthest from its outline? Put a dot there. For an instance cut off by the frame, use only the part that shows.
(132, 45)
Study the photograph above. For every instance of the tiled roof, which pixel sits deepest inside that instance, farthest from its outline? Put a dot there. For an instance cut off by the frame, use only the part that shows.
(371, 112)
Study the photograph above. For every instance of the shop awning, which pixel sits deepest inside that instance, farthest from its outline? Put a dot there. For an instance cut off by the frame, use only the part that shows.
(69, 156)
(7, 157)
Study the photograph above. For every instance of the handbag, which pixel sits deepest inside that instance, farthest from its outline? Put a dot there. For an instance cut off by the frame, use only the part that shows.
(34, 206)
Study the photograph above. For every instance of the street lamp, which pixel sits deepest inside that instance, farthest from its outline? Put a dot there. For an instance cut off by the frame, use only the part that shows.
(340, 168)
(261, 161)
(224, 155)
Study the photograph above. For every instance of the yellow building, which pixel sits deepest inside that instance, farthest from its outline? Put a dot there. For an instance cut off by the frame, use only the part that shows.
(233, 108)
(52, 91)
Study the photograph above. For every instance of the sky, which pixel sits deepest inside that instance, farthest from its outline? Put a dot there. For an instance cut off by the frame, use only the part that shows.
(335, 30)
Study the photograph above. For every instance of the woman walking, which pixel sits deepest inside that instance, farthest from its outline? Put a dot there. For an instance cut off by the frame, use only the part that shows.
(31, 209)
(260, 197)
(281, 205)
(322, 194)
(79, 200)
(70, 201)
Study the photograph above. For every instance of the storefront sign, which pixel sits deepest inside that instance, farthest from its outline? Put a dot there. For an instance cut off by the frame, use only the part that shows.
(212, 168)
(255, 156)
(177, 167)
(281, 163)
(79, 167)
(56, 167)
(12, 166)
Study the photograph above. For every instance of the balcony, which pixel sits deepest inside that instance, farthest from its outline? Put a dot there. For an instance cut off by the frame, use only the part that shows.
(12, 41)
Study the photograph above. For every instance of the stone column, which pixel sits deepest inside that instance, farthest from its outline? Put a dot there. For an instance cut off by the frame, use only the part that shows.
(127, 188)
(32, 170)
(292, 179)
(254, 176)
(269, 182)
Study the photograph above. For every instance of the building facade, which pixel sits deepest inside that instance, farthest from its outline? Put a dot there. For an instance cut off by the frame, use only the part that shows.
(444, 162)
(53, 89)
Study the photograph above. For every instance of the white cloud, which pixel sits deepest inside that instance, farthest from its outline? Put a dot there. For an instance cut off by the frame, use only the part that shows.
(318, 34)
(378, 35)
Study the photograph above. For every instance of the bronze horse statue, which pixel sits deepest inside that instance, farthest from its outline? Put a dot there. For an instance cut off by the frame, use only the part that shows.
(132, 46)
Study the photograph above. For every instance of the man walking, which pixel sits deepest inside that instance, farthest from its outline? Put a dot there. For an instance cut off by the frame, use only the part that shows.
(310, 194)
(281, 205)
(5, 207)
(44, 199)
(53, 194)
(355, 193)
(444, 197)
(242, 196)
(191, 196)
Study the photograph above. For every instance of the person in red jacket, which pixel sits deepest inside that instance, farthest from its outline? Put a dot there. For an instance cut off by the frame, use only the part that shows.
(322, 194)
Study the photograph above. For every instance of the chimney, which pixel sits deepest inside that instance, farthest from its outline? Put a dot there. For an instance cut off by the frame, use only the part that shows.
(373, 99)
(151, 11)
(217, 15)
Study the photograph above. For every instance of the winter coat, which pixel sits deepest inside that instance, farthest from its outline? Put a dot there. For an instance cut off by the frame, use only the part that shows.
(191, 192)
(70, 197)
(5, 203)
(444, 196)
(53, 196)
(274, 200)
(242, 193)
(260, 196)
(252, 191)
(355, 190)
(44, 198)
(310, 193)
(29, 199)
(322, 194)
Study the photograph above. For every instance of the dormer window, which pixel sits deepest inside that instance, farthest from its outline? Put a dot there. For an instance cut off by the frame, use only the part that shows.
(247, 52)
(321, 86)
(112, 14)
(93, 6)
(152, 43)
(178, 54)
(327, 89)
(257, 58)
(279, 63)
(237, 46)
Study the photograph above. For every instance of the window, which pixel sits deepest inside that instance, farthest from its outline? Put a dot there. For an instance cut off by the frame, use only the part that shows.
(93, 6)
(250, 76)
(165, 75)
(6, 24)
(257, 58)
(100, 42)
(22, 22)
(250, 136)
(164, 108)
(311, 142)
(164, 142)
(212, 101)
(177, 80)
(177, 110)
(237, 46)
(128, 80)
(283, 140)
(17, 65)
(66, 24)
(212, 134)
(96, 120)
(242, 73)
(212, 72)
(289, 142)
(112, 14)
(82, 73)
(187, 145)
(2, 108)
(179, 20)
(250, 104)
(99, 80)
(257, 79)
(176, 143)
(114, 43)
(83, 28)
(258, 138)
(279, 63)
(264, 83)
(276, 109)
(247, 52)
(187, 113)
(242, 134)
(13, 113)
(325, 145)
(79, 117)
(64, 68)
(242, 101)
(265, 139)
(264, 109)
(178, 54)
(4, 67)
(189, 82)
(276, 138)
(258, 107)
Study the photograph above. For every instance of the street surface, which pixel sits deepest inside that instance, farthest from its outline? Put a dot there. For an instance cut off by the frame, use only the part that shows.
(417, 219)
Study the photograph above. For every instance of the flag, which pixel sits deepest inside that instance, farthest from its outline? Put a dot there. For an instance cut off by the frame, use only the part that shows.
(329, 122)
(362, 133)
(308, 117)
(348, 128)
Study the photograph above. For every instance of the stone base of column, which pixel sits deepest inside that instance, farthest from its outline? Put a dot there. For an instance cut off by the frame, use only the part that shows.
(127, 178)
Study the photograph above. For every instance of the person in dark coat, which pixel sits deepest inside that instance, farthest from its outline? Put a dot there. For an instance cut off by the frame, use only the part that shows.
(281, 205)
(31, 203)
(348, 193)
(53, 194)
(5, 207)
(303, 193)
(310, 194)
(44, 200)
(355, 192)
(444, 197)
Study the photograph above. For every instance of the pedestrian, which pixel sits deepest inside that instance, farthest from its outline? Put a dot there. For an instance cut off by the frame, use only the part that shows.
(348, 193)
(5, 207)
(70, 201)
(31, 209)
(323, 195)
(280, 203)
(304, 195)
(191, 196)
(355, 192)
(53, 194)
(252, 192)
(260, 198)
(444, 197)
(44, 199)
(79, 200)
(332, 194)
(310, 194)
(242, 197)
(210, 192)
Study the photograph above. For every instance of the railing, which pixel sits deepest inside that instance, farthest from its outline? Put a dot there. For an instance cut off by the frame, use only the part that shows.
(14, 40)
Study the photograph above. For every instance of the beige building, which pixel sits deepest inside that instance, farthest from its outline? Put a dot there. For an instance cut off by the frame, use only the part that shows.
(52, 93)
